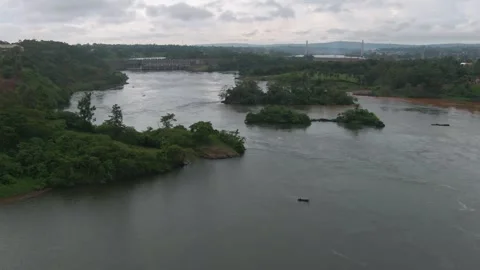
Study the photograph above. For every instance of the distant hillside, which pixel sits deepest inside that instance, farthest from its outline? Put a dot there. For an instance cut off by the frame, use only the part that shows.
(336, 47)
(335, 44)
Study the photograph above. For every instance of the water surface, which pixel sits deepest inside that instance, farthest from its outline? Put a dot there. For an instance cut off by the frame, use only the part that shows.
(405, 197)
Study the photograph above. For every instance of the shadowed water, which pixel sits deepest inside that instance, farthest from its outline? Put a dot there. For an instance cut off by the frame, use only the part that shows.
(405, 197)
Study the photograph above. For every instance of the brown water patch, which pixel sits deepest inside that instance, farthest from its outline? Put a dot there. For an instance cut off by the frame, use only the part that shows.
(471, 106)
(22, 197)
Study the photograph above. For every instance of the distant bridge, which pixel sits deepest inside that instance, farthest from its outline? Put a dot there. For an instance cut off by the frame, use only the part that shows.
(162, 63)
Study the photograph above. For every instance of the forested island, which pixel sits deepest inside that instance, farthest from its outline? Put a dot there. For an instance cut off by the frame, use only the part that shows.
(43, 147)
(358, 117)
(278, 115)
(298, 88)
(283, 116)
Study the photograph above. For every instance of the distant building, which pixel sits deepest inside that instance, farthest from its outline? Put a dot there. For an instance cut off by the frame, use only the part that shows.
(466, 64)
(5, 47)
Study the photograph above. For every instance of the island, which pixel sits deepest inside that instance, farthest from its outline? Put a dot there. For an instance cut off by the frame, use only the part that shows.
(359, 117)
(292, 89)
(278, 115)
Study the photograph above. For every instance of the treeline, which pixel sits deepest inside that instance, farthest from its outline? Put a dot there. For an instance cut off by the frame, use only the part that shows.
(120, 51)
(436, 78)
(46, 73)
(299, 88)
(70, 67)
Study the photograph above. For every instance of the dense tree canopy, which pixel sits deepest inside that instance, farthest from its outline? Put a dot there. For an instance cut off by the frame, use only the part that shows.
(437, 78)
(358, 117)
(299, 88)
(278, 115)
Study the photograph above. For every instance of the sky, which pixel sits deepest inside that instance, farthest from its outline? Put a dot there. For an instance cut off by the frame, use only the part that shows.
(241, 21)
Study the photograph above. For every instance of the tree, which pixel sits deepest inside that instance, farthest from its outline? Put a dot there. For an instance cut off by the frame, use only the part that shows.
(167, 120)
(476, 68)
(201, 131)
(86, 110)
(116, 118)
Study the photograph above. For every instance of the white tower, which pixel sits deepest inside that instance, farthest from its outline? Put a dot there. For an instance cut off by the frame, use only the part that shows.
(306, 48)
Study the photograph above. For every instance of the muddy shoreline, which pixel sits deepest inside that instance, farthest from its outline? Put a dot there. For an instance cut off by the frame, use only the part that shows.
(23, 197)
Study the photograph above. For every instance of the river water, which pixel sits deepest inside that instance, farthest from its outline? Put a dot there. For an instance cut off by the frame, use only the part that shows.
(405, 197)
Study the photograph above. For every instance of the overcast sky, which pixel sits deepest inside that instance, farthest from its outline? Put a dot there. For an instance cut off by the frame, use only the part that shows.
(245, 21)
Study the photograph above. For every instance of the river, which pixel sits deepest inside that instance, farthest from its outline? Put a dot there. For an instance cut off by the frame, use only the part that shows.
(405, 197)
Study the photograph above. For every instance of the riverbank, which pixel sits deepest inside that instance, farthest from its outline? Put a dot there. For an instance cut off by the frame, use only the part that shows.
(20, 189)
(23, 196)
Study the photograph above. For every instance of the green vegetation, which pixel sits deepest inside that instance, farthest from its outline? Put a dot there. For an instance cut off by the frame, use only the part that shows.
(432, 78)
(41, 147)
(278, 115)
(358, 117)
(73, 68)
(288, 89)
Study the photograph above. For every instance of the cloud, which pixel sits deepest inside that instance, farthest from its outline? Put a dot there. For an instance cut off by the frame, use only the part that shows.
(334, 7)
(216, 21)
(67, 11)
(277, 10)
(179, 11)
(260, 12)
(227, 16)
(302, 32)
(336, 31)
(250, 34)
(216, 4)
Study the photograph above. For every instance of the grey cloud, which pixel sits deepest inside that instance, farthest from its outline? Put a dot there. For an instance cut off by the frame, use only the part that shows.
(250, 34)
(216, 4)
(301, 33)
(278, 10)
(424, 26)
(401, 26)
(180, 11)
(275, 10)
(334, 8)
(337, 6)
(66, 11)
(228, 16)
(334, 31)
(262, 18)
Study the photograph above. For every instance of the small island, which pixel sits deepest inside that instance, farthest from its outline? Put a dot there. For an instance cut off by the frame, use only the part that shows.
(278, 115)
(294, 89)
(359, 117)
